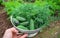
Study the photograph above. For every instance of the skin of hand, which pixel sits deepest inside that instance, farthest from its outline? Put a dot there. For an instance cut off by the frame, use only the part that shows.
(12, 33)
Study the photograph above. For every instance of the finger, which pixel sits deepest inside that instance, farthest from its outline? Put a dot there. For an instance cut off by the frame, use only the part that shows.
(13, 30)
(24, 36)
(8, 32)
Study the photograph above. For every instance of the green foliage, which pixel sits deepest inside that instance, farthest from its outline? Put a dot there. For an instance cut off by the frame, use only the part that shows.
(55, 8)
(10, 6)
(29, 0)
(53, 4)
(48, 4)
(31, 16)
(12, 0)
(1, 2)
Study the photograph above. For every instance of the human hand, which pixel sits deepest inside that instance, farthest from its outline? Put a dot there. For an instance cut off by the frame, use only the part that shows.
(12, 33)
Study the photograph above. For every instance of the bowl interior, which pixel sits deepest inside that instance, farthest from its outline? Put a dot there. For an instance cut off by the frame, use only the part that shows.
(36, 30)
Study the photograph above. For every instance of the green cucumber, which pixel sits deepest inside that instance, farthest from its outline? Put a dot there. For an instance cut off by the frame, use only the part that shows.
(20, 18)
(15, 21)
(24, 23)
(22, 27)
(32, 24)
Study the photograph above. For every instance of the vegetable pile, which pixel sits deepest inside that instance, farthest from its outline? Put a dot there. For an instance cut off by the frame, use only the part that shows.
(30, 16)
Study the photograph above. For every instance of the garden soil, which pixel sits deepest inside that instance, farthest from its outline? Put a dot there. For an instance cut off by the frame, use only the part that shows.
(52, 31)
(4, 22)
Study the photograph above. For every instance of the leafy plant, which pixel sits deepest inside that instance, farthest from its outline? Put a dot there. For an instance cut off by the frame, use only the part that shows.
(31, 16)
(10, 6)
(54, 5)
(29, 0)
(1, 2)
(46, 3)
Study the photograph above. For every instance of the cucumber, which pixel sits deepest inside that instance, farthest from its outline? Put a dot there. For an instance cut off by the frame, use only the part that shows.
(32, 24)
(20, 18)
(22, 27)
(15, 21)
(24, 23)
